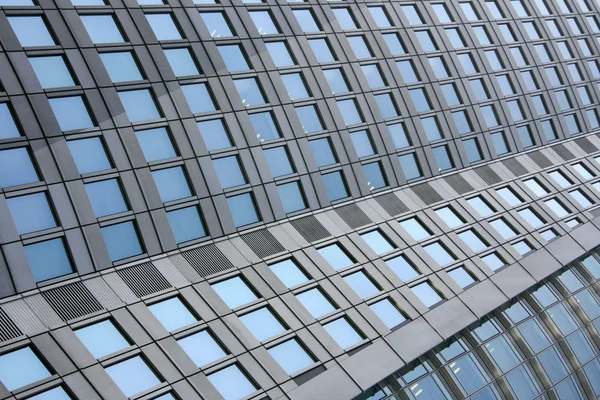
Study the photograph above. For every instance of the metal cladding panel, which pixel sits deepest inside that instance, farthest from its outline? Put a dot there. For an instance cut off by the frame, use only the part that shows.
(144, 279)
(72, 301)
(207, 260)
(310, 228)
(353, 215)
(263, 243)
(458, 184)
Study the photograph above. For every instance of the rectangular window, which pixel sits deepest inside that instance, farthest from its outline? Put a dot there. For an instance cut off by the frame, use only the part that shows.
(102, 29)
(48, 259)
(139, 105)
(243, 209)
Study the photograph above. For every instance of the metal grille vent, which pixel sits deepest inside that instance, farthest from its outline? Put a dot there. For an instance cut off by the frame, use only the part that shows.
(540, 159)
(391, 204)
(426, 193)
(310, 228)
(72, 301)
(8, 329)
(515, 167)
(144, 279)
(488, 175)
(586, 145)
(563, 152)
(263, 243)
(458, 183)
(207, 260)
(353, 216)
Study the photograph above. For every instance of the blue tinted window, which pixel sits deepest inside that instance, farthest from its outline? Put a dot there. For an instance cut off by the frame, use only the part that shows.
(280, 54)
(58, 393)
(439, 253)
(343, 333)
(264, 22)
(309, 118)
(387, 313)
(31, 31)
(288, 273)
(362, 143)
(335, 256)
(171, 184)
(386, 105)
(415, 228)
(439, 67)
(306, 20)
(431, 128)
(493, 261)
(455, 38)
(106, 197)
(216, 24)
(335, 186)
(201, 348)
(51, 71)
(249, 92)
(121, 241)
(449, 216)
(321, 149)
(229, 172)
(426, 293)
(373, 76)
(234, 292)
(121, 67)
(442, 158)
(344, 18)
(377, 242)
(349, 112)
(71, 113)
(361, 284)
(466, 61)
(359, 46)
(426, 41)
(264, 126)
(449, 92)
(278, 161)
(7, 121)
(163, 26)
(322, 51)
(198, 98)
(472, 150)
(410, 167)
(233, 57)
(315, 302)
(102, 28)
(181, 62)
(132, 376)
(20, 368)
(186, 224)
(242, 209)
(420, 100)
(172, 314)
(139, 105)
(89, 155)
(402, 268)
(214, 134)
(480, 206)
(380, 17)
(291, 356)
(291, 197)
(231, 383)
(48, 259)
(374, 175)
(461, 276)
(102, 338)
(412, 14)
(394, 44)
(31, 213)
(262, 324)
(16, 167)
(398, 135)
(156, 144)
(335, 79)
(295, 86)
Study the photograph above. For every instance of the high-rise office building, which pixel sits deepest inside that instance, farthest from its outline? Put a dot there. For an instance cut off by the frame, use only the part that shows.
(299, 199)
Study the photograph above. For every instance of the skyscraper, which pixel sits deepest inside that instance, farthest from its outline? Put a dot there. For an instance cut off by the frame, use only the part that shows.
(299, 199)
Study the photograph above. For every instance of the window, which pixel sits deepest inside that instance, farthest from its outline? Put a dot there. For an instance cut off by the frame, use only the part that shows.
(503, 228)
(479, 89)
(172, 314)
(163, 26)
(500, 144)
(362, 143)
(48, 259)
(336, 80)
(583, 171)
(373, 75)
(277, 159)
(473, 150)
(549, 131)
(507, 33)
(560, 179)
(31, 212)
(264, 126)
(542, 52)
(518, 56)
(217, 24)
(493, 261)
(89, 155)
(7, 121)
(377, 242)
(139, 105)
(473, 240)
(31, 31)
(181, 62)
(439, 253)
(361, 284)
(315, 302)
(387, 313)
(242, 209)
(20, 368)
(335, 186)
(505, 84)
(343, 333)
(481, 206)
(306, 20)
(398, 135)
(57, 393)
(374, 175)
(322, 51)
(380, 17)
(520, 10)
(420, 100)
(198, 98)
(394, 44)
(402, 268)
(431, 128)
(335, 256)
(412, 15)
(201, 348)
(581, 198)
(262, 324)
(466, 61)
(249, 91)
(524, 133)
(280, 54)
(514, 106)
(463, 125)
(438, 65)
(557, 208)
(121, 67)
(51, 71)
(548, 234)
(455, 38)
(295, 86)
(410, 166)
(344, 18)
(482, 36)
(426, 41)
(489, 116)
(359, 46)
(132, 376)
(102, 338)
(407, 71)
(321, 149)
(415, 228)
(386, 105)
(264, 22)
(16, 167)
(462, 277)
(186, 224)
(441, 11)
(553, 76)
(450, 217)
(155, 143)
(171, 184)
(427, 294)
(289, 273)
(234, 292)
(229, 172)
(102, 29)
(291, 197)
(232, 383)
(121, 241)
(442, 158)
(509, 196)
(71, 113)
(234, 58)
(291, 356)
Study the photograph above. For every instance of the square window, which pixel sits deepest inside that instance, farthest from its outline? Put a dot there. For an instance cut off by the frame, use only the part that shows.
(407, 71)
(201, 348)
(394, 44)
(264, 22)
(71, 113)
(415, 228)
(349, 112)
(420, 100)
(186, 224)
(321, 149)
(291, 197)
(377, 242)
(106, 197)
(344, 18)
(102, 338)
(427, 294)
(359, 47)
(291, 356)
(441, 11)
(306, 20)
(335, 256)
(315, 302)
(387, 313)
(503, 228)
(139, 105)
(121, 241)
(500, 144)
(132, 376)
(234, 292)
(48, 259)
(242, 209)
(31, 31)
(466, 61)
(374, 175)
(410, 166)
(156, 144)
(343, 333)
(322, 51)
(336, 80)
(51, 71)
(217, 24)
(102, 29)
(21, 368)
(442, 158)
(198, 98)
(386, 105)
(426, 41)
(462, 277)
(121, 67)
(398, 135)
(234, 58)
(280, 54)
(412, 14)
(229, 172)
(278, 161)
(473, 150)
(335, 186)
(402, 268)
(262, 324)
(295, 86)
(450, 217)
(181, 62)
(522, 247)
(232, 383)
(455, 38)
(461, 120)
(438, 65)
(289, 273)
(172, 314)
(493, 261)
(171, 184)
(7, 121)
(557, 208)
(31, 212)
(524, 133)
(362, 143)
(249, 91)
(89, 155)
(380, 17)
(473, 240)
(163, 26)
(373, 75)
(481, 206)
(361, 284)
(264, 126)
(439, 253)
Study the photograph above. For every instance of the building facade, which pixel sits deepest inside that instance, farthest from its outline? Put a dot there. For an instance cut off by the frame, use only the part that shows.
(299, 199)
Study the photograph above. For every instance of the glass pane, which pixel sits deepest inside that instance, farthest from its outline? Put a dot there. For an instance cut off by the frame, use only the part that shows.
(163, 26)
(201, 348)
(278, 161)
(264, 22)
(449, 216)
(306, 20)
(7, 121)
(387, 313)
(31, 213)
(335, 256)
(216, 24)
(349, 112)
(132, 376)
(280, 54)
(503, 228)
(315, 302)
(552, 364)
(380, 17)
(139, 105)
(291, 356)
(503, 353)
(198, 98)
(415, 228)
(480, 206)
(410, 167)
(264, 126)
(102, 338)
(373, 76)
(442, 158)
(522, 383)
(344, 18)
(121, 241)
(398, 135)
(233, 57)
(394, 44)
(468, 374)
(425, 292)
(262, 324)
(102, 29)
(359, 47)
(361, 284)
(374, 175)
(20, 368)
(335, 186)
(71, 113)
(48, 259)
(89, 155)
(229, 172)
(249, 92)
(106, 197)
(439, 253)
(242, 209)
(231, 383)
(234, 292)
(472, 149)
(335, 79)
(52, 72)
(493, 261)
(121, 67)
(402, 268)
(462, 277)
(58, 393)
(291, 197)
(186, 224)
(31, 31)
(377, 242)
(181, 62)
(172, 314)
(343, 333)
(156, 144)
(288, 273)
(420, 100)
(362, 143)
(309, 119)
(321, 50)
(171, 184)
